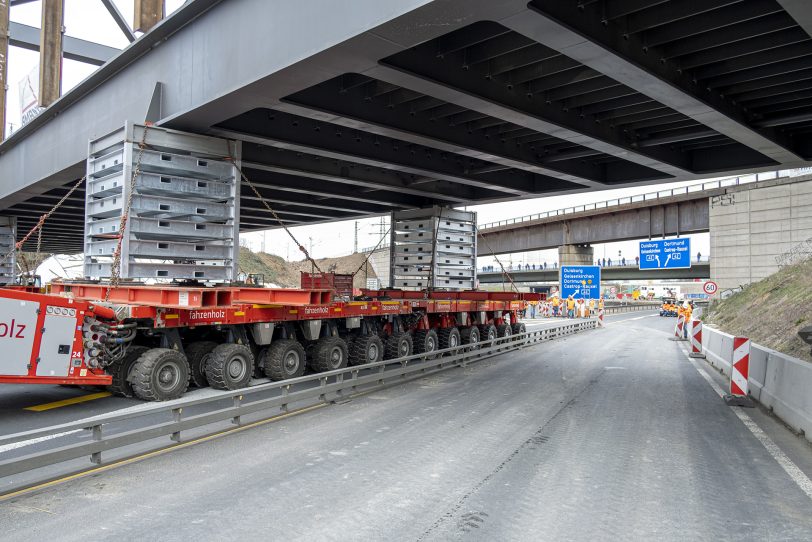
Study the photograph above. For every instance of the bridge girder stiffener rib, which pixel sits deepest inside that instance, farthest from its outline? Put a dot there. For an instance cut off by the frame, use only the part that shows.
(583, 36)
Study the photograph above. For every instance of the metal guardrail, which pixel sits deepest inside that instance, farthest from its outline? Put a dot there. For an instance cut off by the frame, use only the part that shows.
(326, 387)
(644, 306)
(699, 187)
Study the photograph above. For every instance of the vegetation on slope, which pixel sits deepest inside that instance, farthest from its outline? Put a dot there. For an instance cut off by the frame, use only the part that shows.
(286, 274)
(770, 311)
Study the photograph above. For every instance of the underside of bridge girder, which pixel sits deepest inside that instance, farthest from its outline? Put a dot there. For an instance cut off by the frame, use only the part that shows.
(460, 102)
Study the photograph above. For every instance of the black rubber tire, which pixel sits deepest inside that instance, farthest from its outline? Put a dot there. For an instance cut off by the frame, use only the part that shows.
(160, 374)
(488, 333)
(518, 328)
(196, 355)
(503, 331)
(398, 345)
(449, 338)
(426, 341)
(329, 354)
(284, 359)
(120, 370)
(365, 349)
(229, 366)
(470, 336)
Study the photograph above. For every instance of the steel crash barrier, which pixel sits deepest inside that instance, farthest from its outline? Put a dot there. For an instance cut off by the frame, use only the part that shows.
(630, 308)
(306, 391)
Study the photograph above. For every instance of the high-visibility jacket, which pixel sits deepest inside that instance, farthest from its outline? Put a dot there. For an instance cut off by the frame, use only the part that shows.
(687, 312)
(600, 304)
(570, 304)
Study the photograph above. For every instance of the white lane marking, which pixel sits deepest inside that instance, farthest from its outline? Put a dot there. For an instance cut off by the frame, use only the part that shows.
(630, 319)
(797, 475)
(193, 394)
(15, 445)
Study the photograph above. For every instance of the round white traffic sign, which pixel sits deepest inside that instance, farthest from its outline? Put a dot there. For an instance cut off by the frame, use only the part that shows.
(710, 287)
(613, 290)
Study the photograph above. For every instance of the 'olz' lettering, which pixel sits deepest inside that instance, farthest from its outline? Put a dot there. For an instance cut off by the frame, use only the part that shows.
(12, 330)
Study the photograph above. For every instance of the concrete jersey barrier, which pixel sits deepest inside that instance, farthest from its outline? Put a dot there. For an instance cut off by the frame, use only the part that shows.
(777, 381)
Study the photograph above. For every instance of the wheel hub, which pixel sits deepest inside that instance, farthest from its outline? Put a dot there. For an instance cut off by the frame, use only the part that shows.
(236, 368)
(167, 376)
(372, 353)
(291, 362)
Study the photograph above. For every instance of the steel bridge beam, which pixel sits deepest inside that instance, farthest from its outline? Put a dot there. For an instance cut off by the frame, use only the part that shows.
(27, 37)
(560, 25)
(380, 117)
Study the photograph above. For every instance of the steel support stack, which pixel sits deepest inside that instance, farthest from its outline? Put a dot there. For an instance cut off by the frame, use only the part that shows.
(8, 237)
(183, 214)
(433, 248)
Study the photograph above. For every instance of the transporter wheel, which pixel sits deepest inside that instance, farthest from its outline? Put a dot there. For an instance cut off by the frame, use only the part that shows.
(518, 328)
(470, 336)
(160, 374)
(426, 341)
(365, 349)
(284, 359)
(329, 354)
(196, 356)
(488, 333)
(449, 338)
(229, 366)
(398, 345)
(503, 331)
(120, 371)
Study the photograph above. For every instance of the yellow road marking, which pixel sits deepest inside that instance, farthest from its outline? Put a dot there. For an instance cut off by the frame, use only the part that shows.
(67, 402)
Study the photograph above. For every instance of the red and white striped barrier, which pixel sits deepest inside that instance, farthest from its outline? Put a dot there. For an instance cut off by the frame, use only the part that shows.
(696, 340)
(740, 369)
(600, 318)
(678, 329)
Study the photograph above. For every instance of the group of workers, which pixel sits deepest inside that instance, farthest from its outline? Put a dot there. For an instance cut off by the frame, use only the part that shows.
(564, 307)
(673, 308)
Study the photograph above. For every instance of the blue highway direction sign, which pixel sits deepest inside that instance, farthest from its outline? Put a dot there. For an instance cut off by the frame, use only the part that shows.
(581, 281)
(666, 254)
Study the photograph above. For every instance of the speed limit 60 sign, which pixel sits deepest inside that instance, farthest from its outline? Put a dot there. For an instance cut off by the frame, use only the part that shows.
(710, 287)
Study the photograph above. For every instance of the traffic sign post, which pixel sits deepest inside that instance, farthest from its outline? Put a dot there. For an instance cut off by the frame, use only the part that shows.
(665, 254)
(581, 281)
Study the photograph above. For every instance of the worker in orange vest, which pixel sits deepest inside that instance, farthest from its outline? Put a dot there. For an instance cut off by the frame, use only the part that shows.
(687, 311)
(570, 307)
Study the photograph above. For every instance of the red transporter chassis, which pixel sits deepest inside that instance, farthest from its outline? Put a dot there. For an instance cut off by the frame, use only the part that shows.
(179, 307)
(185, 313)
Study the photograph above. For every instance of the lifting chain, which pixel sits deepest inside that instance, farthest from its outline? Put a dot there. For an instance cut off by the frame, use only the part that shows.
(371, 252)
(115, 268)
(38, 227)
(495, 257)
(262, 200)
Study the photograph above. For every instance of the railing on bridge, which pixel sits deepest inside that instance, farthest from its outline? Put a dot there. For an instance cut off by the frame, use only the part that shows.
(649, 196)
(699, 187)
(529, 268)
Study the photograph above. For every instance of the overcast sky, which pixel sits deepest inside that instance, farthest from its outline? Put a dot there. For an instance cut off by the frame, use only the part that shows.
(88, 19)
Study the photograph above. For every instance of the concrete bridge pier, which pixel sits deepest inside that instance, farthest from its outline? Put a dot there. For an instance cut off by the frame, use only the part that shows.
(576, 255)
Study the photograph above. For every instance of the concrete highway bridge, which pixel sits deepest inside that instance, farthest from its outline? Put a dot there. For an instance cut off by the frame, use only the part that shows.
(698, 270)
(392, 104)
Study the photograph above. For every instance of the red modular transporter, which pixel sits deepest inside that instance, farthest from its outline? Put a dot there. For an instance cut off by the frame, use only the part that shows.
(154, 341)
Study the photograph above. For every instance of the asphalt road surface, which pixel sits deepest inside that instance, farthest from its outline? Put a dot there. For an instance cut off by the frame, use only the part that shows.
(609, 434)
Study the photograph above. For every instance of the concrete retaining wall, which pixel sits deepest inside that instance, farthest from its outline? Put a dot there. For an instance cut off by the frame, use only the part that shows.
(779, 382)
